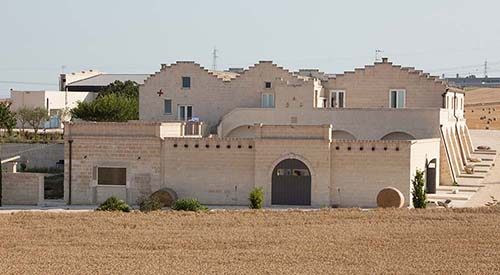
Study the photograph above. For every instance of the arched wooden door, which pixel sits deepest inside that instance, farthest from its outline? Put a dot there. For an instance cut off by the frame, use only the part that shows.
(291, 183)
(430, 180)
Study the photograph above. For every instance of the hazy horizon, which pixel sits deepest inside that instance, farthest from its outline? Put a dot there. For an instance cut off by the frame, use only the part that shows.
(439, 37)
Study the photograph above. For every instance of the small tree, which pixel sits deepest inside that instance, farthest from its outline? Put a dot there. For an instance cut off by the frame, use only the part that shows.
(22, 116)
(110, 107)
(418, 194)
(256, 198)
(36, 116)
(7, 117)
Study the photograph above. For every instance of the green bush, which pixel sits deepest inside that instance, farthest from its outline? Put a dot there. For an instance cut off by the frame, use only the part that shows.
(256, 198)
(150, 204)
(418, 194)
(188, 205)
(114, 204)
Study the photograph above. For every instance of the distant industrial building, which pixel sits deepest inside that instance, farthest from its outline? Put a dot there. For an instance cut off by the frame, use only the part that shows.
(474, 82)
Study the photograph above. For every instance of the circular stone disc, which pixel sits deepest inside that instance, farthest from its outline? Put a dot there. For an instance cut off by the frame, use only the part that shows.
(166, 196)
(390, 197)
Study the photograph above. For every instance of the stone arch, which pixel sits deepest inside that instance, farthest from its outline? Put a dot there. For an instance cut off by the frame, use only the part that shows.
(291, 156)
(291, 183)
(341, 134)
(243, 131)
(398, 136)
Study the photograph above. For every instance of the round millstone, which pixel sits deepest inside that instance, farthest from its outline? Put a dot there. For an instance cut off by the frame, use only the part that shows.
(166, 196)
(390, 197)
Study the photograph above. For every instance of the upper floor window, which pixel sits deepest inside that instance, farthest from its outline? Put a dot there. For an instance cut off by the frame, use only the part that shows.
(185, 112)
(397, 98)
(167, 106)
(267, 100)
(186, 82)
(268, 85)
(337, 99)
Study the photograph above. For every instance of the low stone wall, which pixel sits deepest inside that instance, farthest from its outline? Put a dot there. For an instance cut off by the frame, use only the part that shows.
(22, 188)
(34, 155)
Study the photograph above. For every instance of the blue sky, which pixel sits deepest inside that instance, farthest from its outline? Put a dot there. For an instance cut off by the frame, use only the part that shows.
(123, 36)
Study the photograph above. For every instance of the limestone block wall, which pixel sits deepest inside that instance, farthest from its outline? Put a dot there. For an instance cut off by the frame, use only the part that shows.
(315, 154)
(211, 96)
(360, 169)
(363, 124)
(139, 155)
(215, 171)
(22, 188)
(34, 155)
(369, 87)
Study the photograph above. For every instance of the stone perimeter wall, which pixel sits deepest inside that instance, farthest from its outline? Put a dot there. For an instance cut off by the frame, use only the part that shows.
(223, 171)
(22, 188)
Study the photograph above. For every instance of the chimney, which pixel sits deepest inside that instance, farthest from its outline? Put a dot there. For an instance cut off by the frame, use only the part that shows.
(385, 59)
(458, 75)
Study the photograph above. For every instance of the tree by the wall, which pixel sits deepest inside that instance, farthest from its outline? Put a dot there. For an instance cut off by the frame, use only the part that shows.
(22, 116)
(110, 107)
(36, 117)
(418, 194)
(7, 117)
(118, 102)
(127, 88)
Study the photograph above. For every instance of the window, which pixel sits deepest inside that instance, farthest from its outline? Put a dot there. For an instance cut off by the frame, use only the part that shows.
(167, 106)
(186, 82)
(293, 172)
(185, 112)
(111, 176)
(268, 85)
(397, 98)
(267, 101)
(337, 99)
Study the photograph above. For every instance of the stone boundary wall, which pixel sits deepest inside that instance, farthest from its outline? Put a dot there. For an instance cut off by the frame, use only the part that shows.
(360, 169)
(23, 188)
(34, 155)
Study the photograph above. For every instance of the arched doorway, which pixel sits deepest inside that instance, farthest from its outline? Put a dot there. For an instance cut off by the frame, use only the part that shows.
(291, 183)
(430, 181)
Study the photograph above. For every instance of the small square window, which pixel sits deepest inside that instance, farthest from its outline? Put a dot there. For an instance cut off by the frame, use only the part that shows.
(268, 85)
(167, 106)
(111, 176)
(186, 82)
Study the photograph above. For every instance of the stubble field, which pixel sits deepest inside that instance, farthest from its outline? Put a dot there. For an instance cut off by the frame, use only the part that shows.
(252, 242)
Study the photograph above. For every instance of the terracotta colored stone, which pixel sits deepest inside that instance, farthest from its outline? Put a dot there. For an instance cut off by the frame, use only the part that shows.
(390, 197)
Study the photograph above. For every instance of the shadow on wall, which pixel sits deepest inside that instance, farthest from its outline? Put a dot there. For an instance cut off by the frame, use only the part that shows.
(398, 136)
(343, 135)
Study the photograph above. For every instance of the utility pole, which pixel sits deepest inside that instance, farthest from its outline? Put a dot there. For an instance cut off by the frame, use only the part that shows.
(486, 68)
(214, 59)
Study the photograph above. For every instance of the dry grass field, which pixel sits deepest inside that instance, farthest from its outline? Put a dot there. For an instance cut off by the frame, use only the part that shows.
(253, 242)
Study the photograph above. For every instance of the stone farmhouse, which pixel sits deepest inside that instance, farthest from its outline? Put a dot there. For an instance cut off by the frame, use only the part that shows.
(306, 137)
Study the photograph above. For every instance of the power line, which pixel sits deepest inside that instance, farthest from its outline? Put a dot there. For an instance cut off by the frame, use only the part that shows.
(27, 83)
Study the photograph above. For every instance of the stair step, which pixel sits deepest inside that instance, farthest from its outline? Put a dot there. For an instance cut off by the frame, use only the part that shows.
(459, 188)
(471, 176)
(459, 197)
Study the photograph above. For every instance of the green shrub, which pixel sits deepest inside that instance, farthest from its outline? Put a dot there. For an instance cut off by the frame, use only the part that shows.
(188, 205)
(150, 204)
(114, 204)
(256, 198)
(418, 194)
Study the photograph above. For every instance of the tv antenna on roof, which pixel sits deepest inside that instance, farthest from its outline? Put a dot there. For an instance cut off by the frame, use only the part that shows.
(214, 59)
(377, 55)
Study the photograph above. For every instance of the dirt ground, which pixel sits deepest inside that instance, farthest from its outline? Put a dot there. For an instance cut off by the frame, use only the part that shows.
(253, 242)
